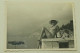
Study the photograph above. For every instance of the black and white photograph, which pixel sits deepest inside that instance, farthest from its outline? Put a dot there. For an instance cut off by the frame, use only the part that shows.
(40, 25)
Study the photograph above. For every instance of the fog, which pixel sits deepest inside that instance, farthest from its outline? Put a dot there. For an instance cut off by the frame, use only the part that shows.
(26, 19)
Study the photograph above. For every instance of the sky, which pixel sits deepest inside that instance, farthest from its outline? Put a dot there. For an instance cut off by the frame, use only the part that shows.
(25, 19)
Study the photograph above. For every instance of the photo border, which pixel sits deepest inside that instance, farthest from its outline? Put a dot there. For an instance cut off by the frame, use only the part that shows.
(64, 49)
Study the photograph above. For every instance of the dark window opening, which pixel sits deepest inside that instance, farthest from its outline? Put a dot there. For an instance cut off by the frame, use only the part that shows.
(64, 45)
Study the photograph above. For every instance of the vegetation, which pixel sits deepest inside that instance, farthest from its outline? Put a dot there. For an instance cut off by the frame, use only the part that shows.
(15, 43)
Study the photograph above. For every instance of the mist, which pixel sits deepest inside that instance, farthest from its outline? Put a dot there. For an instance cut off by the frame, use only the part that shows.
(26, 19)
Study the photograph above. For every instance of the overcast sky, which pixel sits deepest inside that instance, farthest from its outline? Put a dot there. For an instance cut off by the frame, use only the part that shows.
(26, 18)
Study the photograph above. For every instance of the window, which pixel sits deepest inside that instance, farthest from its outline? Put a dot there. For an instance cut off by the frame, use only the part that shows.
(64, 45)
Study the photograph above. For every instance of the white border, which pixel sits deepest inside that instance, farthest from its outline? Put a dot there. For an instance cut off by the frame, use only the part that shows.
(44, 49)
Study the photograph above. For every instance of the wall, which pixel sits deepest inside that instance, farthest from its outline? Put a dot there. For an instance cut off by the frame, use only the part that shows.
(55, 44)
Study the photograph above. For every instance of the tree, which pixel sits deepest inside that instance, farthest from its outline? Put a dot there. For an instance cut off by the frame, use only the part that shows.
(68, 26)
